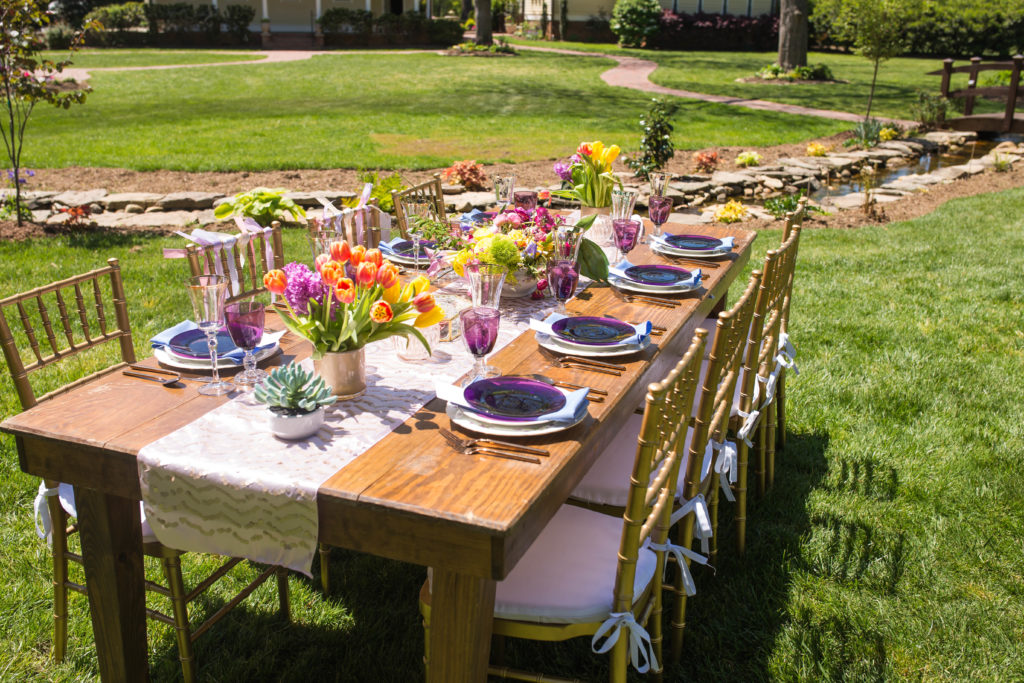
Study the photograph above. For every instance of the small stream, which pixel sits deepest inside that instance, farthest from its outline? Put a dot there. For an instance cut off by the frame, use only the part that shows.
(926, 163)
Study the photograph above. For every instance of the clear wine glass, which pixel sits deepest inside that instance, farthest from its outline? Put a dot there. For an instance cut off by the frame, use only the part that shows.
(658, 210)
(526, 200)
(659, 182)
(245, 325)
(627, 234)
(623, 201)
(416, 209)
(208, 293)
(480, 330)
(504, 186)
(485, 282)
(563, 266)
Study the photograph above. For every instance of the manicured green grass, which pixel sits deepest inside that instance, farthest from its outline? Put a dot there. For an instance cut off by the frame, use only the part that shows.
(889, 548)
(101, 58)
(715, 73)
(387, 111)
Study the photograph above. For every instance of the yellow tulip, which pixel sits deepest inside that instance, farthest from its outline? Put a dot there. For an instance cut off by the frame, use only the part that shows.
(611, 154)
(420, 284)
(392, 293)
(596, 149)
(431, 317)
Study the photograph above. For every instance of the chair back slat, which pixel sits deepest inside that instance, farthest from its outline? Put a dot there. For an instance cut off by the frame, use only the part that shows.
(361, 226)
(13, 354)
(656, 470)
(430, 191)
(83, 317)
(248, 261)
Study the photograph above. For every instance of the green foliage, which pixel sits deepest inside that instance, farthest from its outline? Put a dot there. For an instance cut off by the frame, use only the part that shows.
(294, 389)
(381, 191)
(501, 47)
(178, 17)
(634, 21)
(656, 148)
(749, 158)
(261, 204)
(866, 133)
(780, 206)
(931, 111)
(592, 259)
(237, 19)
(1002, 164)
(995, 79)
(119, 17)
(811, 72)
(58, 37)
(343, 19)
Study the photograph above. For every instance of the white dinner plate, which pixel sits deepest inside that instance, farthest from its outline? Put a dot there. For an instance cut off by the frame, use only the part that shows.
(165, 357)
(559, 345)
(672, 251)
(623, 283)
(475, 423)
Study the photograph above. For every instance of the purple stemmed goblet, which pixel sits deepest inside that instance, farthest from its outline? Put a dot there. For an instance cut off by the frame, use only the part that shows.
(245, 325)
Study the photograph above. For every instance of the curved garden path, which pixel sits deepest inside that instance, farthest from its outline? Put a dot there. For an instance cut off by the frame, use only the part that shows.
(630, 72)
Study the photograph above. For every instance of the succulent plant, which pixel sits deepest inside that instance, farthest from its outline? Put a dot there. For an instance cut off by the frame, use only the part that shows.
(294, 390)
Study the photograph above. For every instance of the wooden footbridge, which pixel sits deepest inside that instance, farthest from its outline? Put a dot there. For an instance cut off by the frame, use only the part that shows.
(1008, 121)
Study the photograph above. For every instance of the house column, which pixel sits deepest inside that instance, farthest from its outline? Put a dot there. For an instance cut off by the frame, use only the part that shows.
(416, 6)
(318, 30)
(369, 6)
(265, 27)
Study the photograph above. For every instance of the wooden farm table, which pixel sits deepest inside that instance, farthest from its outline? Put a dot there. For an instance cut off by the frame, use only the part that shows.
(410, 497)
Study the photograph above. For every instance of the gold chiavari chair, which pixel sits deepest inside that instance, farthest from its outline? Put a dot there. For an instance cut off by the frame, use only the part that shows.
(593, 574)
(793, 222)
(360, 226)
(243, 262)
(429, 191)
(89, 314)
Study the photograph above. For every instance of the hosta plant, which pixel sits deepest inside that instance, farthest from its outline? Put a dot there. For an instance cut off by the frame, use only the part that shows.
(292, 390)
(261, 204)
(746, 159)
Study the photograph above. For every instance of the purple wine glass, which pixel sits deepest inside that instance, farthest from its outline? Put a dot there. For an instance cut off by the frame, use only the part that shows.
(245, 325)
(627, 232)
(525, 199)
(480, 331)
(563, 276)
(658, 210)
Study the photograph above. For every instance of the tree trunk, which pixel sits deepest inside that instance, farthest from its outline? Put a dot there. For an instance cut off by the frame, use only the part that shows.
(483, 22)
(793, 34)
(464, 12)
(871, 93)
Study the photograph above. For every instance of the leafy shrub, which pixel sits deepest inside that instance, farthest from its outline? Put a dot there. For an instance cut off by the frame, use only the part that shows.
(1001, 164)
(237, 19)
(467, 173)
(261, 204)
(811, 72)
(469, 25)
(715, 32)
(179, 17)
(119, 17)
(344, 20)
(995, 79)
(780, 206)
(208, 19)
(745, 159)
(634, 21)
(381, 190)
(705, 162)
(866, 133)
(58, 36)
(656, 143)
(931, 111)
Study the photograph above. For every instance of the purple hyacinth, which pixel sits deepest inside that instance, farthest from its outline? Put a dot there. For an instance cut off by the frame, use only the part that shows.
(562, 170)
(303, 285)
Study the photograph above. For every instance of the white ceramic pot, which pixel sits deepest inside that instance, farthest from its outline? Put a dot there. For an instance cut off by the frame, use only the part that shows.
(293, 427)
(524, 285)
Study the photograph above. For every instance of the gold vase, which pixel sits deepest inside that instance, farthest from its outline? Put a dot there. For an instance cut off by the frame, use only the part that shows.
(344, 372)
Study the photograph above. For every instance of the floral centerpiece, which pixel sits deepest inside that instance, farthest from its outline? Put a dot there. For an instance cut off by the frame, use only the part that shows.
(588, 174)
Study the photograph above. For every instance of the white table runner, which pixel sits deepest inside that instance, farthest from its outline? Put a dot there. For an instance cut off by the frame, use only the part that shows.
(224, 484)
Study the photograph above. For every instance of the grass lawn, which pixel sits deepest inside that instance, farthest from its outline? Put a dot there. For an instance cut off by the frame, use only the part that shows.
(715, 73)
(889, 548)
(90, 58)
(386, 111)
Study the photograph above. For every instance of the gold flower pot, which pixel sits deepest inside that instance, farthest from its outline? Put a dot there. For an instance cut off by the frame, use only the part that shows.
(344, 372)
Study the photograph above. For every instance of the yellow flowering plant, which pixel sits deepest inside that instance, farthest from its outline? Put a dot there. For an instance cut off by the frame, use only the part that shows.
(732, 212)
(588, 173)
(816, 149)
(353, 297)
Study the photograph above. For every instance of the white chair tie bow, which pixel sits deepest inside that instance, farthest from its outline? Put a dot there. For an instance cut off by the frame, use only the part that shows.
(250, 227)
(338, 218)
(750, 419)
(787, 354)
(44, 524)
(680, 553)
(641, 652)
(727, 467)
(702, 519)
(217, 242)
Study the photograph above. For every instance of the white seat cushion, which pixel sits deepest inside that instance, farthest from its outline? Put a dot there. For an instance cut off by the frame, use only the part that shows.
(568, 574)
(607, 481)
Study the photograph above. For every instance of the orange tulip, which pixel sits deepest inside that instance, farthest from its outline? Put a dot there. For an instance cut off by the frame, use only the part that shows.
(380, 312)
(584, 149)
(374, 256)
(423, 302)
(366, 274)
(320, 260)
(387, 275)
(340, 251)
(275, 281)
(544, 195)
(345, 291)
(332, 272)
(357, 254)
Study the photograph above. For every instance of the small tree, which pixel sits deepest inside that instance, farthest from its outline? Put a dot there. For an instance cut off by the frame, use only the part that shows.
(656, 148)
(877, 28)
(27, 78)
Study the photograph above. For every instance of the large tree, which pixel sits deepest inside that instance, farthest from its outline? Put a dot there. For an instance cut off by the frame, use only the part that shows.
(484, 36)
(793, 34)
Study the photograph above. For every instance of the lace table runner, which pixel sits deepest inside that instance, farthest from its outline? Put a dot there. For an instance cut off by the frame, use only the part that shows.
(224, 484)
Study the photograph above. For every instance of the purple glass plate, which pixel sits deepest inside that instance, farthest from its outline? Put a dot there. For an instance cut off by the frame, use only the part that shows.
(404, 248)
(658, 275)
(694, 242)
(593, 331)
(191, 344)
(515, 399)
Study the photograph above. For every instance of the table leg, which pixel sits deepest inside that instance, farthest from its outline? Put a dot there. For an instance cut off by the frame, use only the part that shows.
(114, 574)
(461, 617)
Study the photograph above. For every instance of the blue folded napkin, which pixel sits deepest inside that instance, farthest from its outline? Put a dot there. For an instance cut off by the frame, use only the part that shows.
(727, 243)
(235, 355)
(389, 246)
(620, 268)
(473, 218)
(643, 330)
(573, 411)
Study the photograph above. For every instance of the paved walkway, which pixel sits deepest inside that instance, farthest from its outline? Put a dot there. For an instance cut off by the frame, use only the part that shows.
(630, 72)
